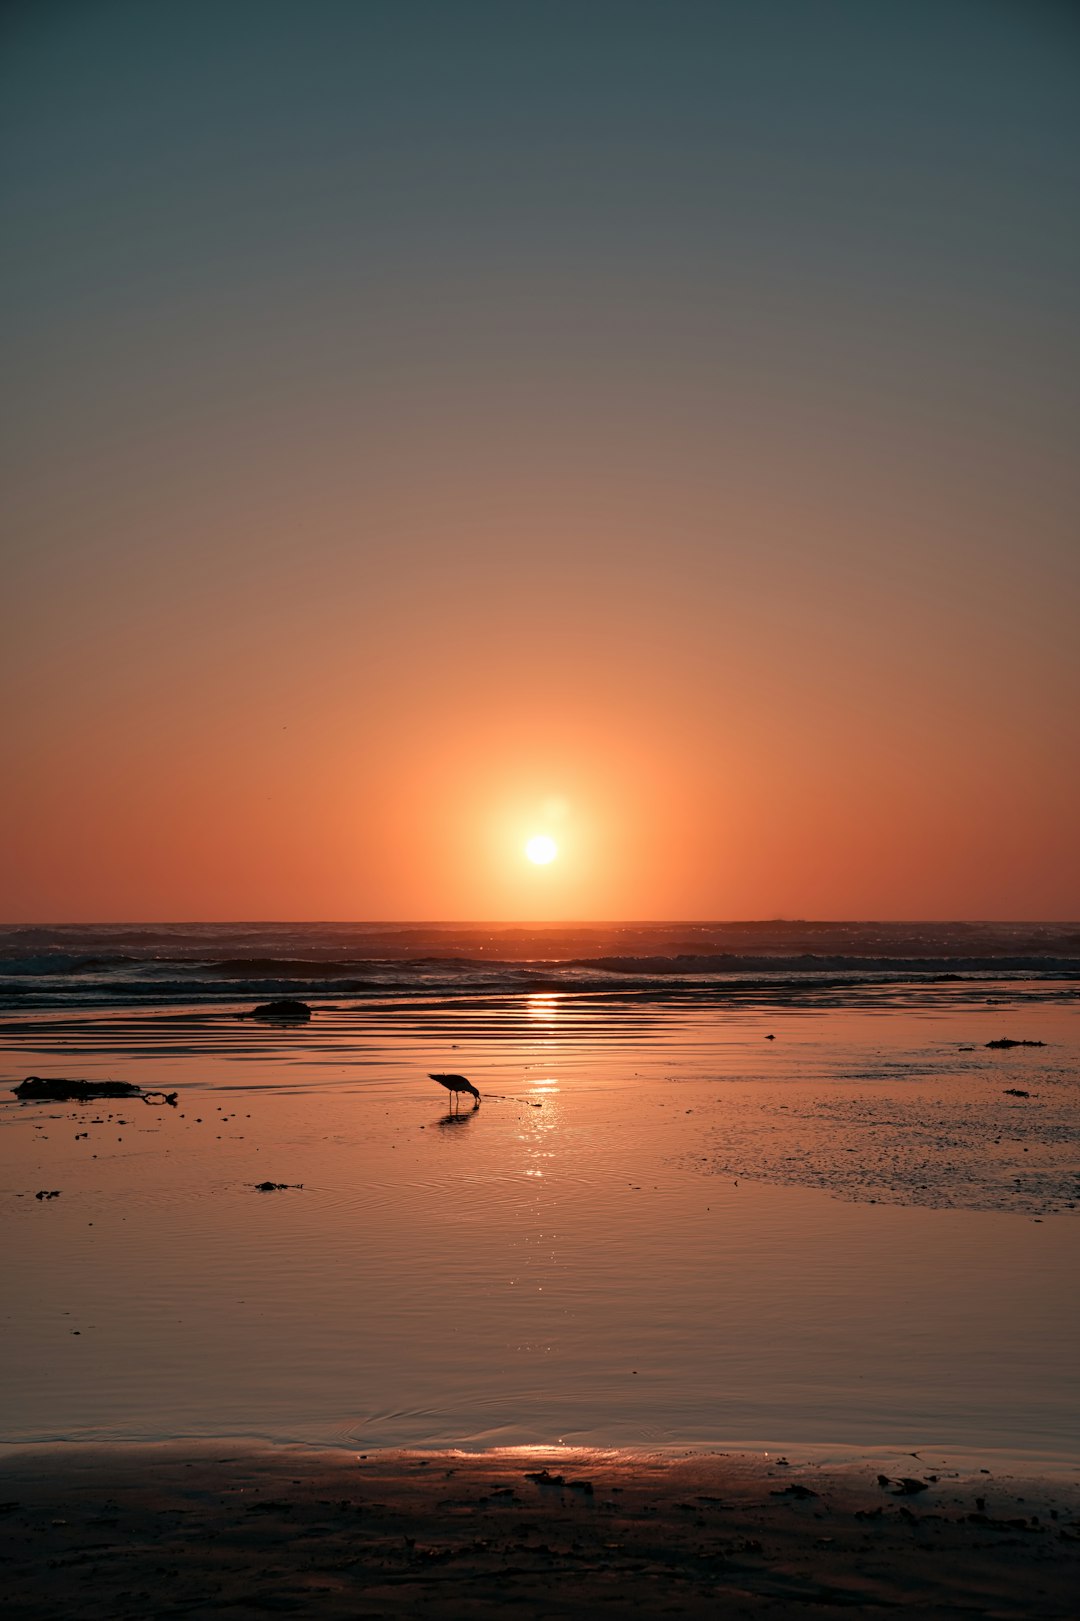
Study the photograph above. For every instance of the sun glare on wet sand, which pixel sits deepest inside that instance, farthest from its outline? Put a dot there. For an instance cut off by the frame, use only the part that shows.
(541, 850)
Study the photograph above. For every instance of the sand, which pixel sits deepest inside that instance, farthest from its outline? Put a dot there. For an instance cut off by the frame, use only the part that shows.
(171, 1531)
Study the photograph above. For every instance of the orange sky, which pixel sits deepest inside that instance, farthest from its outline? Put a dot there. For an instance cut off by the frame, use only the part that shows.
(385, 470)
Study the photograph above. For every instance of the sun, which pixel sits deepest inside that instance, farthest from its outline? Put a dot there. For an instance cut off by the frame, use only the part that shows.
(541, 849)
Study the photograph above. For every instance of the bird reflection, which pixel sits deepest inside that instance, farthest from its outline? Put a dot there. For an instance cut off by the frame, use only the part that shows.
(454, 1119)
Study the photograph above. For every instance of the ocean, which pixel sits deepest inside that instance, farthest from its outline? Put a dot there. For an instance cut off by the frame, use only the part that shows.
(103, 965)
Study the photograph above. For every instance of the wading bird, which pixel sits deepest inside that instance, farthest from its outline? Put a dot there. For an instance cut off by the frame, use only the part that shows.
(455, 1085)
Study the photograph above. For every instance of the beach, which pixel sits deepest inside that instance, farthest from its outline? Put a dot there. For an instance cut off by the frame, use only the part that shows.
(694, 1251)
(160, 1531)
(540, 903)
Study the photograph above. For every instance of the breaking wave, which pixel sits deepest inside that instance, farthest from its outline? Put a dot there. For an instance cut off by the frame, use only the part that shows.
(144, 965)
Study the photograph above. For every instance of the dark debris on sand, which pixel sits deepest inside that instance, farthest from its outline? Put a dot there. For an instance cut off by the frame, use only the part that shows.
(286, 1008)
(122, 1534)
(58, 1089)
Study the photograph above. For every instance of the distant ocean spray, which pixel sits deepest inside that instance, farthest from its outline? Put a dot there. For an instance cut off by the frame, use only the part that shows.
(102, 965)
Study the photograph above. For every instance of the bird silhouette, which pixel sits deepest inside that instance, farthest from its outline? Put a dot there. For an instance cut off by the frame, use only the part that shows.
(455, 1085)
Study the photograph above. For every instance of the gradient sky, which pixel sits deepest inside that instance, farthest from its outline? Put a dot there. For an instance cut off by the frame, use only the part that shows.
(431, 424)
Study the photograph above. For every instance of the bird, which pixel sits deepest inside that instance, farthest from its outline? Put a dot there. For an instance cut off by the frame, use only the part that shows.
(455, 1085)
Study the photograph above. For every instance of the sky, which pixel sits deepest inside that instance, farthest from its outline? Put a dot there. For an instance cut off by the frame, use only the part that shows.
(649, 425)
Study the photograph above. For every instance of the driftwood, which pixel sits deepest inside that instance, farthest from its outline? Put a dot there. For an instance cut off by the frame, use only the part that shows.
(55, 1089)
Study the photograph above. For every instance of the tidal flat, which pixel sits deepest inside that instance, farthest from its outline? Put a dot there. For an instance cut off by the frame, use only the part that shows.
(752, 1306)
(661, 1229)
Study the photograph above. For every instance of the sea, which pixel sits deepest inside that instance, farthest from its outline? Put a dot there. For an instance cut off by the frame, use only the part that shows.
(103, 965)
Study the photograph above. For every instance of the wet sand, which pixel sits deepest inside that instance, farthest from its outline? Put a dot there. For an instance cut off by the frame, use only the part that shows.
(661, 1246)
(161, 1531)
(618, 1248)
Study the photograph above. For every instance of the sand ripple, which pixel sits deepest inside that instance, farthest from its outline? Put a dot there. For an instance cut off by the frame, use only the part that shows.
(1001, 1152)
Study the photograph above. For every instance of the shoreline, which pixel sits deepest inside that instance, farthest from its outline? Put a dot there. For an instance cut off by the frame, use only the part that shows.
(944, 1459)
(179, 1529)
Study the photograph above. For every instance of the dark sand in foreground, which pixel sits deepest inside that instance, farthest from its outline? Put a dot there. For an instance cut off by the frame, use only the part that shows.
(164, 1531)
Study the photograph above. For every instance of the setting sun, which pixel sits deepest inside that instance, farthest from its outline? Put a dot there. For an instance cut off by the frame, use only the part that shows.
(541, 849)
